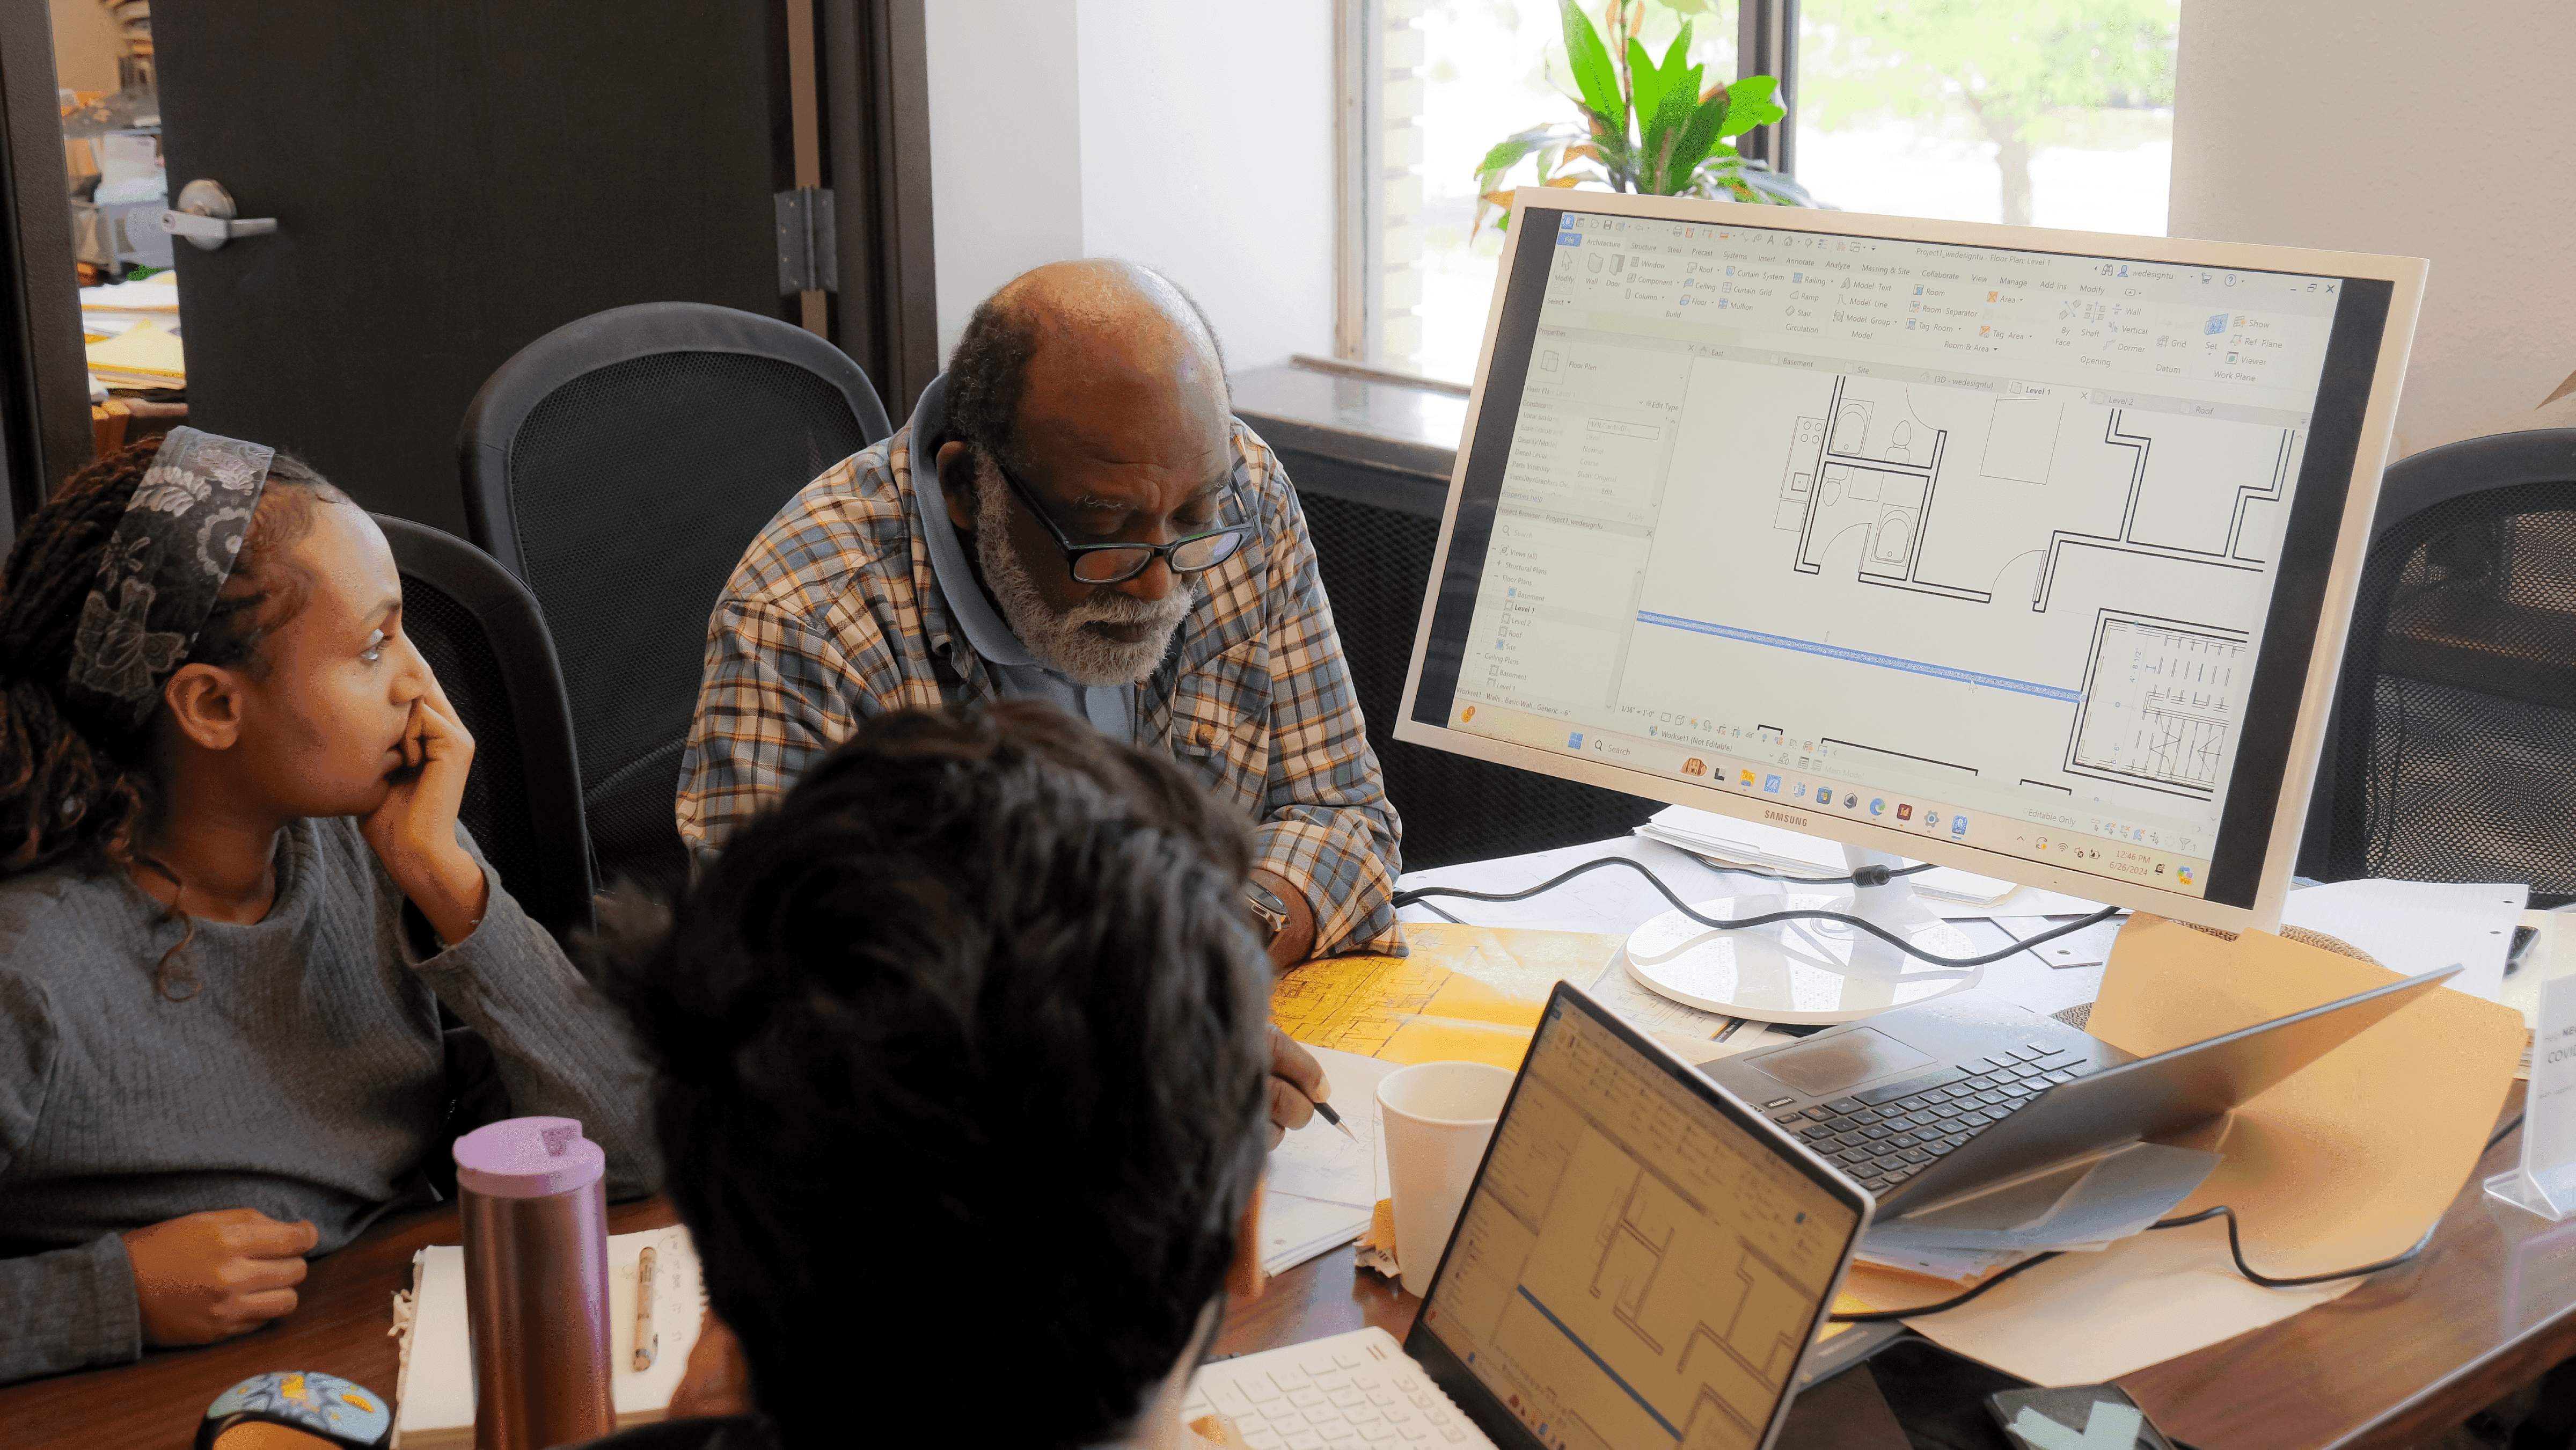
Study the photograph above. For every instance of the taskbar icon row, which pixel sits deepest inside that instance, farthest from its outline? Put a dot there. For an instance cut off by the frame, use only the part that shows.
(1887, 810)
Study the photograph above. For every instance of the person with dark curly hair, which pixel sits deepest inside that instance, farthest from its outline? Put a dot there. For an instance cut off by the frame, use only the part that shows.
(239, 923)
(969, 1029)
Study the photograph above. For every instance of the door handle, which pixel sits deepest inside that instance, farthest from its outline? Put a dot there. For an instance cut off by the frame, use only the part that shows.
(205, 217)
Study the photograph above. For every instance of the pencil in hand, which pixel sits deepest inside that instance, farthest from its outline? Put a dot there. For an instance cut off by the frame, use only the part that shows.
(1325, 1111)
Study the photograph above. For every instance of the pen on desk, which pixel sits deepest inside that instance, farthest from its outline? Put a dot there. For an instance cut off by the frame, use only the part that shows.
(647, 1343)
(1325, 1111)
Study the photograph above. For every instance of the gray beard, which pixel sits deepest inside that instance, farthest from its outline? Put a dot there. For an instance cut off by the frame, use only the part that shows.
(1057, 637)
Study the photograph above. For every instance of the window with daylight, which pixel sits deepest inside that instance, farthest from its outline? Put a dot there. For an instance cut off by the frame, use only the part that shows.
(2054, 113)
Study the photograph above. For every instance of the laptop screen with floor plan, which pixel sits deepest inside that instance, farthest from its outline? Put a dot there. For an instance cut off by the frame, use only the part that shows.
(1633, 1266)
(2019, 550)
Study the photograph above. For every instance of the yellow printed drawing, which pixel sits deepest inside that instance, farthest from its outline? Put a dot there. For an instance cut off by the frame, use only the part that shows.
(1466, 994)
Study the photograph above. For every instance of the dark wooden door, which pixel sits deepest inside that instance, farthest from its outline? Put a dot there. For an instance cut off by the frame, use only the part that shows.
(452, 180)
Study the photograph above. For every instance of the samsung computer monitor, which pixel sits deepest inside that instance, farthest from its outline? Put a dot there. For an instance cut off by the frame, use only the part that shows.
(2023, 551)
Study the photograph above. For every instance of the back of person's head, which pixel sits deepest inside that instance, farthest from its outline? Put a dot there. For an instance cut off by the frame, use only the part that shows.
(961, 1055)
(76, 787)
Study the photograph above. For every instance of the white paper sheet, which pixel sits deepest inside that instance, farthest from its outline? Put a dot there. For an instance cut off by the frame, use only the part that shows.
(2090, 947)
(1323, 1186)
(1697, 1036)
(2115, 1196)
(1295, 1229)
(1316, 1161)
(2419, 926)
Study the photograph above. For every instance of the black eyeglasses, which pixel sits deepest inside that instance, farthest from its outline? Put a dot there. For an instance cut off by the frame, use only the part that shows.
(1118, 563)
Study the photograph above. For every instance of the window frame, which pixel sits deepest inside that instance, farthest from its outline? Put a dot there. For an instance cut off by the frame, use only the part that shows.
(1766, 44)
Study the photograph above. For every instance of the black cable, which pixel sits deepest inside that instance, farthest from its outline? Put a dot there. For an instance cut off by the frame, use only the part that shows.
(1865, 876)
(2236, 1250)
(2500, 1134)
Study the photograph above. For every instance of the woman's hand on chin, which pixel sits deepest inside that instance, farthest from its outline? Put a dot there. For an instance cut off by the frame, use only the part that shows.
(413, 830)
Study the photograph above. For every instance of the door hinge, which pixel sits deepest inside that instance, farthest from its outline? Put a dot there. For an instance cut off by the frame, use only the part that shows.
(808, 260)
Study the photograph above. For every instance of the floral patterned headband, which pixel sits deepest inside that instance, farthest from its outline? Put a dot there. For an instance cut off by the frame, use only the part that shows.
(164, 570)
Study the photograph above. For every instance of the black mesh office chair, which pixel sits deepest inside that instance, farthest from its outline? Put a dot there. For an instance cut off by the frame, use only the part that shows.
(2452, 754)
(1374, 532)
(619, 465)
(484, 638)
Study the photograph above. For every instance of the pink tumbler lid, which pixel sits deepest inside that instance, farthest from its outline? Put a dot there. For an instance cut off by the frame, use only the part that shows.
(528, 1158)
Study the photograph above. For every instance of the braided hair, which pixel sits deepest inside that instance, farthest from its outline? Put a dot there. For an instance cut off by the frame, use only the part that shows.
(75, 789)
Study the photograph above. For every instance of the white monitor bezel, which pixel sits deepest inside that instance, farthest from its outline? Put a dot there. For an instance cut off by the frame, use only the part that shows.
(2406, 278)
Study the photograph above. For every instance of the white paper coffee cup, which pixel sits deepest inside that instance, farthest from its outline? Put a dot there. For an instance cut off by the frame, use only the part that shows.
(1437, 1117)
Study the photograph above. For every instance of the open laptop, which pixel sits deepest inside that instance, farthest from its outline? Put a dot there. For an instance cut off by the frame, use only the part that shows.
(1923, 1105)
(1641, 1260)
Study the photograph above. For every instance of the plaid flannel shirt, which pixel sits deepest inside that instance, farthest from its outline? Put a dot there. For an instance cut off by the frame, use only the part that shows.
(834, 615)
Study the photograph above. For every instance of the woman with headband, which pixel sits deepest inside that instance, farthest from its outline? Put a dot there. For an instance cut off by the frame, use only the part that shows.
(236, 910)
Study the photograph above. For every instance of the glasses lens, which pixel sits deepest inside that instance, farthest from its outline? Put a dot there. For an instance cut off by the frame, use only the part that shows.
(1205, 553)
(1108, 566)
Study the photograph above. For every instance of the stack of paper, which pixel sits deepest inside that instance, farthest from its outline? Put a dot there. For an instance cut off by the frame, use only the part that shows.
(1726, 841)
(143, 356)
(111, 310)
(2347, 1162)
(2088, 1206)
(434, 1395)
(1322, 1186)
(2419, 926)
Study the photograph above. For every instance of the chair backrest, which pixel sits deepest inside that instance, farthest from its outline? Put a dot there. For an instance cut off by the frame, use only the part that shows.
(2452, 752)
(1374, 531)
(484, 638)
(620, 465)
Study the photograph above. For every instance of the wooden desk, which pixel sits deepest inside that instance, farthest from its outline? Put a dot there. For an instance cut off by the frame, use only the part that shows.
(2491, 1304)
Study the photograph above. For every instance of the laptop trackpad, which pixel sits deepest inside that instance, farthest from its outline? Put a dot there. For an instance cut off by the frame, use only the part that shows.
(1825, 1067)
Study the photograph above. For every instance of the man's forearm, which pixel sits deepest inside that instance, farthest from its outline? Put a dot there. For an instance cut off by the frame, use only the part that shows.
(1295, 941)
(1339, 860)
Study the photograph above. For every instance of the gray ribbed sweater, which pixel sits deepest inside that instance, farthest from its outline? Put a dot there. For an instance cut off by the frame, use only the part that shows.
(307, 1078)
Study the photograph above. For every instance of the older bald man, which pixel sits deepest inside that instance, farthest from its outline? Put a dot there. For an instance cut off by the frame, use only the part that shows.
(1098, 531)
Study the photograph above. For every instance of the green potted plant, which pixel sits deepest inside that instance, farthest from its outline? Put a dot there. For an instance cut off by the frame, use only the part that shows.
(1644, 127)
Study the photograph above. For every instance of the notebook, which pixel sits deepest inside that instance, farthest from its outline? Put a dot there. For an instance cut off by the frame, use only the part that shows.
(434, 1394)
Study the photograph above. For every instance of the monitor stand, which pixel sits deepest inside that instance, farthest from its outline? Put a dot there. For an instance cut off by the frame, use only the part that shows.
(1806, 971)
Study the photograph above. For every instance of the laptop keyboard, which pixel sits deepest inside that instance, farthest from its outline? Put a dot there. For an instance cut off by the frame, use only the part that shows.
(1355, 1389)
(1886, 1135)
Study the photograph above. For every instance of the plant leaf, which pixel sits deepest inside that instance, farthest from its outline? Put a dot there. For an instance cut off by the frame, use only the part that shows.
(1666, 96)
(1594, 77)
(1698, 135)
(1750, 104)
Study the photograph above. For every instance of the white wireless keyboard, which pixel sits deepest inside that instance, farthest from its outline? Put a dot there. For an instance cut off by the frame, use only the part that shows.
(1351, 1389)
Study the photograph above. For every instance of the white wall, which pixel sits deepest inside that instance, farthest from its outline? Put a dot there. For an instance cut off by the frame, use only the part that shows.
(1207, 153)
(1005, 146)
(2393, 126)
(1195, 139)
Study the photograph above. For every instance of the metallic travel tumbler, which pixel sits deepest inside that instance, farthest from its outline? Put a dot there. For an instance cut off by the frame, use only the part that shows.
(536, 1282)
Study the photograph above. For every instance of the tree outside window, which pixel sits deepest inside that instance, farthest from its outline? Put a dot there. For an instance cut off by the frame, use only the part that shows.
(2047, 112)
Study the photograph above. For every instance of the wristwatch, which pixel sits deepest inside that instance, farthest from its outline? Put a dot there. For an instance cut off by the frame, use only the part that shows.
(1267, 910)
